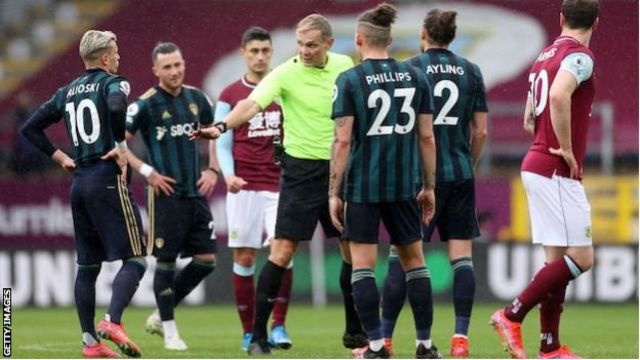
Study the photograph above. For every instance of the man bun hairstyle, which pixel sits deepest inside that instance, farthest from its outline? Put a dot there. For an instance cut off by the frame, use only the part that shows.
(255, 33)
(375, 24)
(580, 14)
(163, 48)
(440, 26)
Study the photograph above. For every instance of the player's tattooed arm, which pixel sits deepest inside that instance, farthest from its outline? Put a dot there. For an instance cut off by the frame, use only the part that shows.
(339, 158)
(529, 121)
(340, 153)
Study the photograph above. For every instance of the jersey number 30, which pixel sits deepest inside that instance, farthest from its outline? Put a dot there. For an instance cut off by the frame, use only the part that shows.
(76, 121)
(385, 104)
(538, 91)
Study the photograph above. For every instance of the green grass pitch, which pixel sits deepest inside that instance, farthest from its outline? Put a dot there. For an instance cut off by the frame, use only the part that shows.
(593, 331)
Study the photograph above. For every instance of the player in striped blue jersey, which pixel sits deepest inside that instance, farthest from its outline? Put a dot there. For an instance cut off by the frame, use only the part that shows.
(460, 127)
(106, 219)
(180, 220)
(379, 146)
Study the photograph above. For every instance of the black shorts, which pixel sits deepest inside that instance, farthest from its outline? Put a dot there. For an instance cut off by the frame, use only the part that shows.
(401, 219)
(304, 185)
(455, 215)
(182, 227)
(106, 218)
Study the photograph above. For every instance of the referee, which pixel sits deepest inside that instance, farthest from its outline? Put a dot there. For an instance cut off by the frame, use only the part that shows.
(303, 85)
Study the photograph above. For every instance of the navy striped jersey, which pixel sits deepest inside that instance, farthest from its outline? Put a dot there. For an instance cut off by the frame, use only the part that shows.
(385, 97)
(458, 92)
(165, 122)
(83, 105)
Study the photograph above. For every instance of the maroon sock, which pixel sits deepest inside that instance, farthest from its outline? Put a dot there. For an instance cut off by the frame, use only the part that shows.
(550, 279)
(284, 294)
(550, 309)
(245, 292)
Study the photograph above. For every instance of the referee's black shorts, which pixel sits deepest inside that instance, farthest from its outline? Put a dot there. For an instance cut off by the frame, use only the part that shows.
(304, 185)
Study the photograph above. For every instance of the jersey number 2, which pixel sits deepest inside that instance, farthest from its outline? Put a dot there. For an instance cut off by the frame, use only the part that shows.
(76, 121)
(385, 104)
(442, 118)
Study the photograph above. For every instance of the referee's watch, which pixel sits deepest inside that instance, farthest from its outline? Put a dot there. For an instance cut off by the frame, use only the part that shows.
(222, 126)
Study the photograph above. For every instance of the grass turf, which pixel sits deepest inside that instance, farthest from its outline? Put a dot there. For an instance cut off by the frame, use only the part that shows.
(591, 330)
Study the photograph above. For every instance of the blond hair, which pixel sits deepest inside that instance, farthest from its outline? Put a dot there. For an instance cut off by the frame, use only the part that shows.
(316, 22)
(94, 42)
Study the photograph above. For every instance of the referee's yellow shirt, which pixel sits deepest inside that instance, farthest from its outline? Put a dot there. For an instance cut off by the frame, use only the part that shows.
(305, 95)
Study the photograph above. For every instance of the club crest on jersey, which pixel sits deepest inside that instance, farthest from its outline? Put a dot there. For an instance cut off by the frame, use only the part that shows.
(166, 115)
(194, 109)
(159, 242)
(587, 232)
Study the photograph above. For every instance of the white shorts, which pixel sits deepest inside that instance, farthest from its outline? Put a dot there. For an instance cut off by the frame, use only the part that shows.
(558, 209)
(249, 214)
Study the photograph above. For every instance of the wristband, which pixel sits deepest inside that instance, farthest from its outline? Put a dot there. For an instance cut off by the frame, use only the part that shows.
(145, 170)
(122, 145)
(222, 126)
(215, 171)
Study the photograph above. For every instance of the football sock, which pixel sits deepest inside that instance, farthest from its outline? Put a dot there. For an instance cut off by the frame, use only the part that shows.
(550, 309)
(125, 285)
(85, 295)
(163, 288)
(550, 279)
(394, 292)
(268, 285)
(169, 328)
(245, 292)
(419, 295)
(284, 294)
(464, 288)
(352, 319)
(367, 301)
(189, 277)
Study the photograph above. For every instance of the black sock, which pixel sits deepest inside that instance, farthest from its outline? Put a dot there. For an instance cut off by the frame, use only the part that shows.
(419, 294)
(367, 300)
(464, 289)
(189, 277)
(266, 292)
(163, 288)
(352, 320)
(393, 295)
(85, 295)
(125, 285)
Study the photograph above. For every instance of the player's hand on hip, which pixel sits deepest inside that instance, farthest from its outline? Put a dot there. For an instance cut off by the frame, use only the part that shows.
(336, 211)
(235, 183)
(427, 201)
(63, 160)
(211, 133)
(119, 155)
(207, 182)
(160, 183)
(570, 159)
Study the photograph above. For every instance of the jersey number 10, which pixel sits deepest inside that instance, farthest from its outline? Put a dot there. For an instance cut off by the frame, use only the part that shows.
(76, 121)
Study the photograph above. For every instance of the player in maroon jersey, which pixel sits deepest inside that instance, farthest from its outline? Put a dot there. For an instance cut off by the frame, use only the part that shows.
(557, 114)
(249, 163)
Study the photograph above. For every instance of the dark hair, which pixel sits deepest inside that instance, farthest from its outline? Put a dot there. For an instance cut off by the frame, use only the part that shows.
(580, 14)
(375, 24)
(163, 48)
(440, 26)
(255, 33)
(382, 15)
